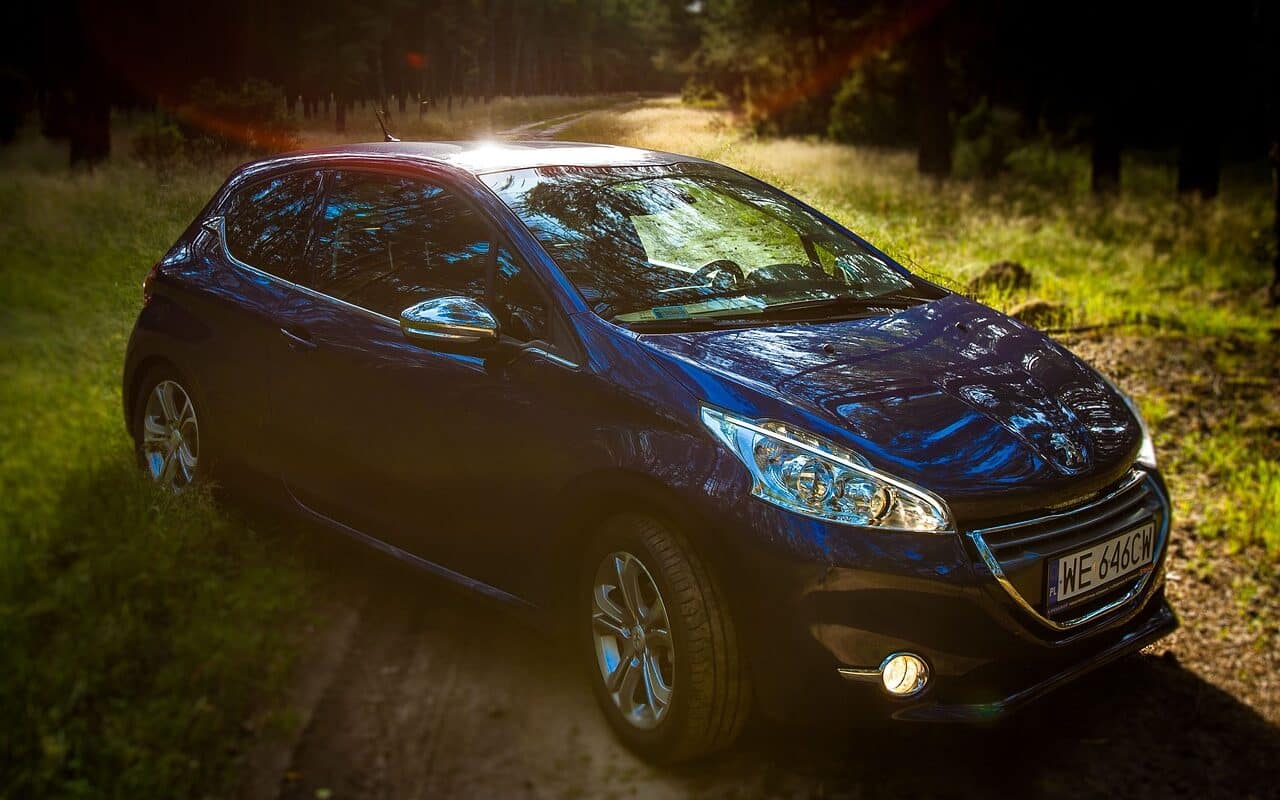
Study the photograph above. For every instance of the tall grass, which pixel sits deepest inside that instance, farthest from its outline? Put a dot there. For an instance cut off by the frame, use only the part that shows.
(136, 629)
(1146, 255)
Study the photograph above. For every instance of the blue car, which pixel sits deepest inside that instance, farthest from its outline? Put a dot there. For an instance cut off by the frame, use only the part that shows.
(751, 462)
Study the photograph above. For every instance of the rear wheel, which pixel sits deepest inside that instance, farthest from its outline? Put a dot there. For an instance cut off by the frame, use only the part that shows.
(666, 667)
(167, 430)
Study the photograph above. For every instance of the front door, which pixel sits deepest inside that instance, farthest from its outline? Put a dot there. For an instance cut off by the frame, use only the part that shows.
(246, 268)
(366, 418)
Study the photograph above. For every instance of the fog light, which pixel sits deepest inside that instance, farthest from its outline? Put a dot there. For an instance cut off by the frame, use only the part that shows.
(904, 674)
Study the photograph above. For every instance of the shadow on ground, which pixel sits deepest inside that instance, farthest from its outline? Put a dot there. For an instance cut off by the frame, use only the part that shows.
(428, 692)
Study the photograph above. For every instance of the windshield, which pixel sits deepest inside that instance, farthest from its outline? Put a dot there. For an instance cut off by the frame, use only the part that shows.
(646, 244)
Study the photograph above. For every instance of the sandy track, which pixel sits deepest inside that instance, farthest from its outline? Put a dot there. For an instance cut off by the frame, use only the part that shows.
(431, 693)
(549, 128)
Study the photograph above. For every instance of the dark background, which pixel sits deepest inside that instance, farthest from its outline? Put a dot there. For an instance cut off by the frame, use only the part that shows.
(1196, 78)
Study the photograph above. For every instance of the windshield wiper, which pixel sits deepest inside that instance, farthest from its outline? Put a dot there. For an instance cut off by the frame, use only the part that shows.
(799, 310)
(840, 304)
(690, 323)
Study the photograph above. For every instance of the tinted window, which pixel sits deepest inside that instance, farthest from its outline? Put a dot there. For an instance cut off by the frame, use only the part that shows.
(520, 302)
(267, 222)
(385, 242)
(646, 244)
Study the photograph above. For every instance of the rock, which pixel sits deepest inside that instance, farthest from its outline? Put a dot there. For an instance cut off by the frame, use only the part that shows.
(1002, 275)
(1037, 312)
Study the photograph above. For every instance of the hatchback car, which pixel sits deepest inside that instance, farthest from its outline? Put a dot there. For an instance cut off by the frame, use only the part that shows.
(750, 460)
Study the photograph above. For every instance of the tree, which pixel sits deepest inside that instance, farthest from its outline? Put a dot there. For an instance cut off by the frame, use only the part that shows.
(933, 102)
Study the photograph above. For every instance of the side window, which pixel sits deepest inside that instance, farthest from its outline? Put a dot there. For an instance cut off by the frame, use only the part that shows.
(521, 304)
(267, 222)
(385, 242)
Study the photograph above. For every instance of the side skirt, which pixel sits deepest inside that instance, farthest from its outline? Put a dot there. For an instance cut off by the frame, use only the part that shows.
(458, 578)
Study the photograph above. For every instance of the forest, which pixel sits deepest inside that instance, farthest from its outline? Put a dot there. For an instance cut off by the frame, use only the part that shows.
(1106, 172)
(1196, 80)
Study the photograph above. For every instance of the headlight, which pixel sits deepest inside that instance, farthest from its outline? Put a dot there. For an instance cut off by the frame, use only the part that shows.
(800, 472)
(1146, 453)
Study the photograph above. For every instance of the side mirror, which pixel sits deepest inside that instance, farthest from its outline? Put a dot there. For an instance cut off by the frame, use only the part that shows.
(453, 324)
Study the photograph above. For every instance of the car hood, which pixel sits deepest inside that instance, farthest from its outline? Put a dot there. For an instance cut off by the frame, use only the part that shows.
(954, 396)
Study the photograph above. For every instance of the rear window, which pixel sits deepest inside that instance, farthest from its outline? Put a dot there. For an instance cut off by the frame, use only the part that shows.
(267, 222)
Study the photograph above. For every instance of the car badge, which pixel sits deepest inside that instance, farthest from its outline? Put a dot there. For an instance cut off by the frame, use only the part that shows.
(1070, 453)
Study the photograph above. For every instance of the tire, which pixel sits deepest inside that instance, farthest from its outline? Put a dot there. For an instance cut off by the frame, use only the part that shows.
(188, 459)
(709, 692)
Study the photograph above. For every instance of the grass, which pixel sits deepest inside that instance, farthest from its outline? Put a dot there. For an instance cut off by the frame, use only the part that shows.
(138, 632)
(1183, 275)
(1191, 266)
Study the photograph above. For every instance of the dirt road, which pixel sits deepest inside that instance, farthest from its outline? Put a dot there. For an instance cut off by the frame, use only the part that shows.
(411, 689)
(549, 128)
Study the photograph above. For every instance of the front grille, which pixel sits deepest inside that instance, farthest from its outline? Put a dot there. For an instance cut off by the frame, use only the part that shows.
(1018, 553)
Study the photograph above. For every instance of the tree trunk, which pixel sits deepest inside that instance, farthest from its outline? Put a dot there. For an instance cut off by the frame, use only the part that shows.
(55, 114)
(453, 74)
(933, 104)
(12, 100)
(1199, 160)
(340, 114)
(1104, 176)
(382, 84)
(1275, 219)
(90, 128)
(491, 76)
(515, 46)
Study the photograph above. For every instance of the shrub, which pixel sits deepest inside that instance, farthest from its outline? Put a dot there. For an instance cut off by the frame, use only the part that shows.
(159, 143)
(985, 139)
(247, 118)
(702, 95)
(868, 107)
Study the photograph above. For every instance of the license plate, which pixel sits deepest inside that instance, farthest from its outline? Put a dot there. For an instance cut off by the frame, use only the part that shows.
(1101, 564)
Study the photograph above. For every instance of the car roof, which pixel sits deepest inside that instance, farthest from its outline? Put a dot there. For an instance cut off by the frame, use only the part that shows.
(479, 157)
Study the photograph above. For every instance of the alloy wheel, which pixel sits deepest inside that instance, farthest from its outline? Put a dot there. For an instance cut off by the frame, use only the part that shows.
(632, 635)
(170, 435)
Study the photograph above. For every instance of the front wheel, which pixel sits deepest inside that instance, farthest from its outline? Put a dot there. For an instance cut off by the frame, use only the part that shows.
(666, 669)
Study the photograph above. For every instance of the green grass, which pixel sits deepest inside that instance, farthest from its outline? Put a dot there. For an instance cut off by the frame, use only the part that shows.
(1182, 274)
(137, 630)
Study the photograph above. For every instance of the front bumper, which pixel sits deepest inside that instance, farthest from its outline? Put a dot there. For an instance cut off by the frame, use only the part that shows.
(933, 595)
(1155, 625)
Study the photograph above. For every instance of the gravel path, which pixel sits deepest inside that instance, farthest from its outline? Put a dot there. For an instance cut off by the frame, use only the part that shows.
(426, 692)
(546, 129)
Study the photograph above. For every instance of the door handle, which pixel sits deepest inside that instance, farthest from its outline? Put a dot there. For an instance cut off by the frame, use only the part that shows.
(298, 338)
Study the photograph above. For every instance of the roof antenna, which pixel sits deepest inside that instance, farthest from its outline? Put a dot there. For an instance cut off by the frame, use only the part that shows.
(382, 123)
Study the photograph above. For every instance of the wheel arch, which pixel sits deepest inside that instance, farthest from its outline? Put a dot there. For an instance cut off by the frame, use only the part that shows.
(133, 385)
(602, 495)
